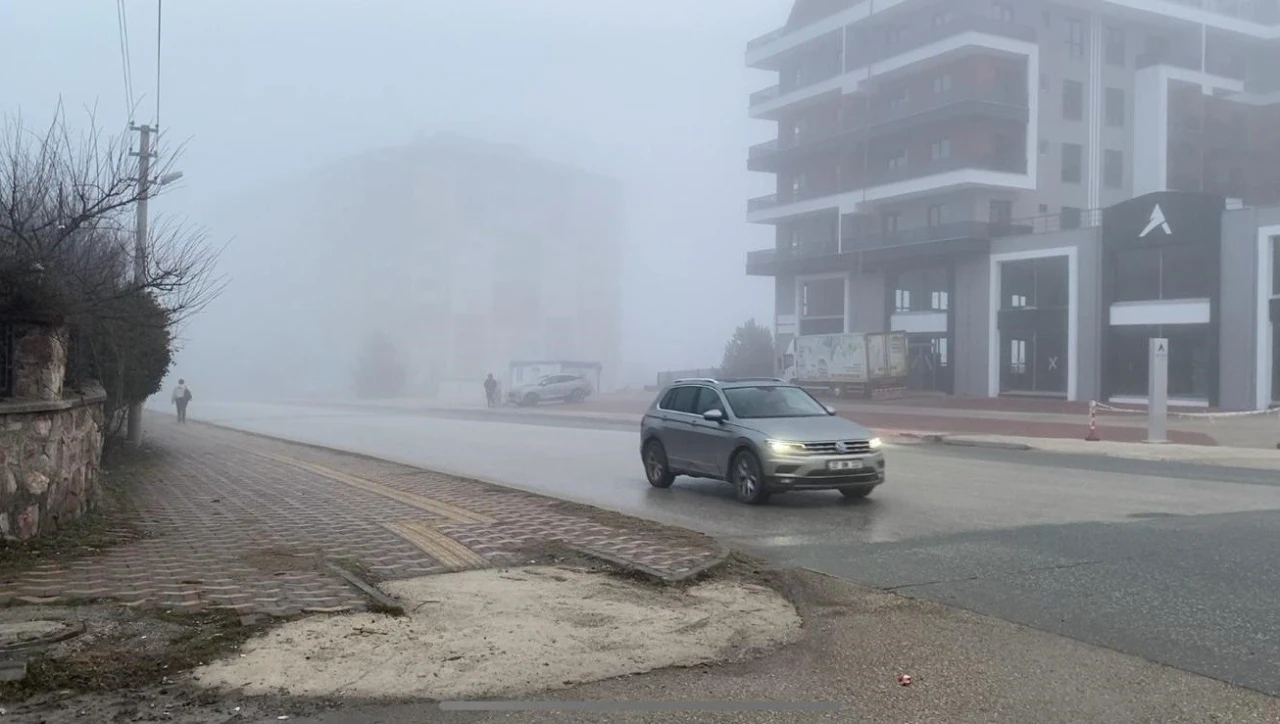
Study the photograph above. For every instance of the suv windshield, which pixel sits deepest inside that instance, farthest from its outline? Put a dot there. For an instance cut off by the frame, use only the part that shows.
(773, 401)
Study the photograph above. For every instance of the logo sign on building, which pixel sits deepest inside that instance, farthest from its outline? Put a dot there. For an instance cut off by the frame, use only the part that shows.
(1164, 218)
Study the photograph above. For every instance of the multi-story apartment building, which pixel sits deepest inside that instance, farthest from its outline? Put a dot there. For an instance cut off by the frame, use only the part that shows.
(469, 255)
(921, 143)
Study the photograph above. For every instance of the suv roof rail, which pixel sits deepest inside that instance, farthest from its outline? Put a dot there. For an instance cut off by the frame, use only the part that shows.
(754, 379)
(694, 379)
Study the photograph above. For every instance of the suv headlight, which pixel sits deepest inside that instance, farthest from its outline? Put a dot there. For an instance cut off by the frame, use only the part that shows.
(875, 443)
(781, 447)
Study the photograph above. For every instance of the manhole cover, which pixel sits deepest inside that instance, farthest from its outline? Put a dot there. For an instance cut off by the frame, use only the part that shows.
(22, 634)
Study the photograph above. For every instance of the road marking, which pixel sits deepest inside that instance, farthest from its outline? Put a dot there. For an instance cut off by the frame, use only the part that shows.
(437, 545)
(451, 513)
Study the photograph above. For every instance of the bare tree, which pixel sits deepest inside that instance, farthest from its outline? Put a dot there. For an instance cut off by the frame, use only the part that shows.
(67, 246)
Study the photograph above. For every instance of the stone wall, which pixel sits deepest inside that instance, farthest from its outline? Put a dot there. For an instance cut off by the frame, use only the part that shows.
(50, 440)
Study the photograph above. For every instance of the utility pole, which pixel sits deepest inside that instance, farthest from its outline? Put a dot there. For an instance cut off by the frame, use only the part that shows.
(144, 155)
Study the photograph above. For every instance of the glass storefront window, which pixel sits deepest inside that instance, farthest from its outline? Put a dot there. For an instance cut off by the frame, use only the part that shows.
(1171, 272)
(1190, 347)
(1017, 285)
(922, 290)
(1137, 275)
(822, 306)
(1275, 266)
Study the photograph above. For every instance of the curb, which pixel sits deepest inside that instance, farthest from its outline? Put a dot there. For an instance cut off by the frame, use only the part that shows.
(986, 444)
(722, 555)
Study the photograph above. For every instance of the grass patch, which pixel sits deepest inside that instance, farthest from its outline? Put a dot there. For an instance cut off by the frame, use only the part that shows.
(144, 649)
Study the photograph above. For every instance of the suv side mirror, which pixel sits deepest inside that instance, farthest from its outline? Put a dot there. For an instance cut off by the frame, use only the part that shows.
(830, 410)
(713, 416)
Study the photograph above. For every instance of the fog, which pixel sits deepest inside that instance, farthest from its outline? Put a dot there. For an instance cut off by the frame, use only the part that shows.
(266, 97)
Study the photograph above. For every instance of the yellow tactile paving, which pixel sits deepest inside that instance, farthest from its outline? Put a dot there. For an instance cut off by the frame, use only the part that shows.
(437, 545)
(441, 509)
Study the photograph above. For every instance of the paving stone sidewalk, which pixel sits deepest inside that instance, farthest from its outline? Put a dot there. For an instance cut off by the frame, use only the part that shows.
(248, 523)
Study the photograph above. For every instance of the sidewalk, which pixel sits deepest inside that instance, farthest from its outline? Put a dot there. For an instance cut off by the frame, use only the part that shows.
(249, 524)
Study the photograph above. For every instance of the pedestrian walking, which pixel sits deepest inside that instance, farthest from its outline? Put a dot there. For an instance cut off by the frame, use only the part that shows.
(181, 398)
(491, 390)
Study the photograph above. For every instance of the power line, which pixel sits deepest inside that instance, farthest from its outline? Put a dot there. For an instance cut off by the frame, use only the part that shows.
(126, 65)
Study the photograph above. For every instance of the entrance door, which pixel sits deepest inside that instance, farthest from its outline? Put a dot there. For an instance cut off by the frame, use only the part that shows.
(928, 363)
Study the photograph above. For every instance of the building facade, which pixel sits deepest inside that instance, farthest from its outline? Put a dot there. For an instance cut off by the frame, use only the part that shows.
(929, 155)
(468, 255)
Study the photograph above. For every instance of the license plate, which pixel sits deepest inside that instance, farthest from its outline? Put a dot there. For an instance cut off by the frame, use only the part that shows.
(844, 465)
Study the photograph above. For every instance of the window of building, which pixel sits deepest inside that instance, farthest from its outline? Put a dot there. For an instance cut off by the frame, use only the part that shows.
(1044, 82)
(1070, 218)
(941, 149)
(1072, 163)
(893, 35)
(941, 18)
(1044, 147)
(1001, 211)
(1275, 269)
(822, 306)
(1115, 50)
(922, 290)
(898, 97)
(1182, 273)
(898, 159)
(942, 83)
(1002, 11)
(1171, 272)
(1047, 18)
(1035, 283)
(1189, 355)
(1137, 274)
(1072, 100)
(889, 223)
(1018, 356)
(1075, 38)
(935, 215)
(1113, 104)
(1044, 208)
(1113, 168)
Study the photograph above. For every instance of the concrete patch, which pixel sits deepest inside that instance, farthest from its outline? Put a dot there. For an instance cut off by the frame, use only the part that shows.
(507, 633)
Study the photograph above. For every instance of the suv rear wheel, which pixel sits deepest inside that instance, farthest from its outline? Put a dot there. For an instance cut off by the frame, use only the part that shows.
(656, 468)
(748, 478)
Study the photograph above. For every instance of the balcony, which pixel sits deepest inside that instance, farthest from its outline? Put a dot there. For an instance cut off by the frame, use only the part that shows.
(877, 52)
(885, 120)
(817, 83)
(872, 249)
(823, 19)
(1235, 69)
(826, 196)
(1264, 13)
(763, 96)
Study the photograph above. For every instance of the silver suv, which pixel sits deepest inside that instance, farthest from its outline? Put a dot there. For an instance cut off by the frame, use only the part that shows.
(762, 435)
(566, 388)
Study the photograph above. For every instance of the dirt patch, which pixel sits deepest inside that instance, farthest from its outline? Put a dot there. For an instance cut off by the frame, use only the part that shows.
(113, 522)
(122, 648)
(507, 632)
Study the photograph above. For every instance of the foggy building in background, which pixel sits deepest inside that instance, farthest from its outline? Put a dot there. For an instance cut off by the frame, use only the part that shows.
(467, 255)
(942, 169)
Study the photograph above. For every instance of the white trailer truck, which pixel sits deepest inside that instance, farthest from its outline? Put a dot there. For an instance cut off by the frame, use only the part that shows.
(849, 365)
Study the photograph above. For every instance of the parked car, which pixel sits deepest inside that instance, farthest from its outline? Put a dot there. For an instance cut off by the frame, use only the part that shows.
(764, 436)
(562, 388)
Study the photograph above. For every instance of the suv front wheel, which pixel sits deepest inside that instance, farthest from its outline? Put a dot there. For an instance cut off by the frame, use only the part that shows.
(748, 478)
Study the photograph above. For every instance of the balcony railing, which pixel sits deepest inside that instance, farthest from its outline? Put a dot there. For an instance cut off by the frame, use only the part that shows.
(884, 115)
(763, 96)
(1265, 12)
(954, 230)
(762, 202)
(826, 12)
(1190, 60)
(875, 52)
(881, 176)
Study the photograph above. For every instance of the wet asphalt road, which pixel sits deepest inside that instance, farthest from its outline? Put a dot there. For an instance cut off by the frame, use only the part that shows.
(1177, 564)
